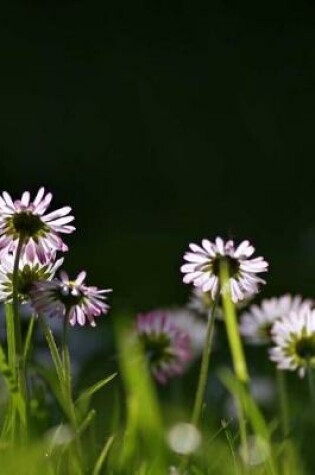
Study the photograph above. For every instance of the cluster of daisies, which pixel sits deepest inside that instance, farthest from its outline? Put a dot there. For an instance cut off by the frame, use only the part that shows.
(172, 339)
(30, 248)
(30, 255)
(286, 324)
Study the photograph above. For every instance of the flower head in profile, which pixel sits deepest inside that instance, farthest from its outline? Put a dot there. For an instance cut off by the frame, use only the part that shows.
(294, 341)
(166, 345)
(202, 267)
(70, 299)
(256, 323)
(26, 219)
(30, 270)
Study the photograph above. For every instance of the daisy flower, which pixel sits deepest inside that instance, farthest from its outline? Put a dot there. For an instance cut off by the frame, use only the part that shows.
(256, 323)
(70, 299)
(30, 271)
(167, 346)
(188, 322)
(203, 266)
(27, 220)
(294, 341)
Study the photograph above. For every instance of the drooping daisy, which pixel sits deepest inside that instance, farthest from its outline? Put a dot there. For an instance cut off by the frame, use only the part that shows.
(203, 265)
(167, 346)
(26, 219)
(256, 323)
(30, 271)
(294, 341)
(70, 299)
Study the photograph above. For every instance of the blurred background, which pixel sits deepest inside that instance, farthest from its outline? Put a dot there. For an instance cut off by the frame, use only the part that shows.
(161, 123)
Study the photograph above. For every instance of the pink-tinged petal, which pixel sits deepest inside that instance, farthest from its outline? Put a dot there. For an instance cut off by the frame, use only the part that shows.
(64, 247)
(30, 250)
(25, 198)
(80, 278)
(188, 278)
(61, 221)
(58, 263)
(244, 249)
(80, 316)
(188, 268)
(248, 266)
(220, 246)
(195, 248)
(57, 213)
(208, 246)
(190, 257)
(39, 196)
(63, 229)
(207, 285)
(236, 291)
(7, 198)
(64, 277)
(43, 205)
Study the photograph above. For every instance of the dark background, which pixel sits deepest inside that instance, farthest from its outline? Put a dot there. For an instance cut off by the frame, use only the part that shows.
(160, 123)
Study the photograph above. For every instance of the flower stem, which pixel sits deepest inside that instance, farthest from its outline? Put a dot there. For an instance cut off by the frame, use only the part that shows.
(230, 319)
(67, 391)
(236, 347)
(203, 376)
(283, 403)
(286, 461)
(311, 385)
(20, 363)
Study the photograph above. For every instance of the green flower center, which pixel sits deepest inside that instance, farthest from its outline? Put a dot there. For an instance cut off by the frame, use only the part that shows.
(265, 331)
(28, 224)
(157, 348)
(305, 347)
(25, 280)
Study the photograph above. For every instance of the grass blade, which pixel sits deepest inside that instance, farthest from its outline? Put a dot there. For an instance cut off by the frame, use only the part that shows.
(103, 455)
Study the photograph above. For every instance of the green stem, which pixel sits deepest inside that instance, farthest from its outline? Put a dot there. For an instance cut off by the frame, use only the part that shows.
(203, 376)
(242, 428)
(64, 345)
(236, 347)
(20, 363)
(285, 422)
(67, 391)
(283, 403)
(311, 385)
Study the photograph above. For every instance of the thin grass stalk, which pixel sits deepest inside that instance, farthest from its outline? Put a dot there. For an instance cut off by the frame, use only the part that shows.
(311, 385)
(17, 330)
(284, 420)
(67, 394)
(283, 403)
(203, 375)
